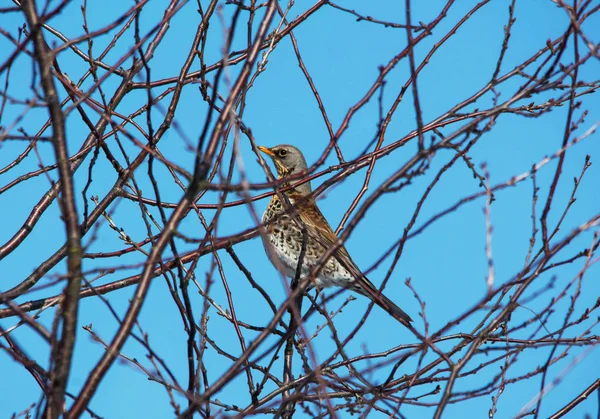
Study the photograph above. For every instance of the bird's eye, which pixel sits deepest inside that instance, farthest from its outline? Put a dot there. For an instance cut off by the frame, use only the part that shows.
(282, 153)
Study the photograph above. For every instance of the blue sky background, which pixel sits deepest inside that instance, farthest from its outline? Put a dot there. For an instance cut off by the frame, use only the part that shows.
(447, 263)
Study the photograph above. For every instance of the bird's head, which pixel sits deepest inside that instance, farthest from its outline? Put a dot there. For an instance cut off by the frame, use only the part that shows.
(288, 161)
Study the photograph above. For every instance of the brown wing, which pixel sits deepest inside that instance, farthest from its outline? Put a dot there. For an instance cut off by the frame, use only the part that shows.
(319, 229)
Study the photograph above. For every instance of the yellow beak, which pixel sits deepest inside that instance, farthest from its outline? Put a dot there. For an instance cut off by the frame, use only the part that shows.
(267, 151)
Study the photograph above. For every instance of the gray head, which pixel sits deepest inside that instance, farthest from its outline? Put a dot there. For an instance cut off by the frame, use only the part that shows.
(288, 161)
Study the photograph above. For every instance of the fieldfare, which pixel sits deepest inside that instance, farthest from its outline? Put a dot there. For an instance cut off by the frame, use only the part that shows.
(286, 228)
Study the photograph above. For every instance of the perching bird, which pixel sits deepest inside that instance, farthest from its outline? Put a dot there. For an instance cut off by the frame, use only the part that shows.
(284, 236)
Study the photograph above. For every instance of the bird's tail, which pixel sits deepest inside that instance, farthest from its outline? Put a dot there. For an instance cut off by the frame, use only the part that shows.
(394, 310)
(366, 288)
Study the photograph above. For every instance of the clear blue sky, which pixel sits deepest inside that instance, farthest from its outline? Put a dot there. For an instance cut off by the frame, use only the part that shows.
(447, 263)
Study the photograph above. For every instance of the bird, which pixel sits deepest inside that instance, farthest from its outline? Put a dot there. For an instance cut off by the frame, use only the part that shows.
(286, 229)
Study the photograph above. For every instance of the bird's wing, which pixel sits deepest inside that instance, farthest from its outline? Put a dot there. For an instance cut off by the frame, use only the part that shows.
(319, 229)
